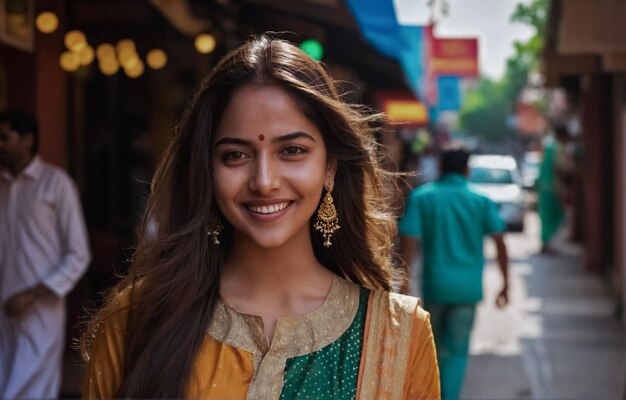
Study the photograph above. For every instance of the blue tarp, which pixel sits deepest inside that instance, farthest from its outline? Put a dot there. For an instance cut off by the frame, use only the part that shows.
(378, 24)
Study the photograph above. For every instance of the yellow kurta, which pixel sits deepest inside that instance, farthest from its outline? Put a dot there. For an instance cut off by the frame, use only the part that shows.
(398, 359)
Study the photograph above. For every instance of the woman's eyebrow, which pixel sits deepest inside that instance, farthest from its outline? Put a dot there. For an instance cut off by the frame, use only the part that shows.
(292, 136)
(231, 140)
(283, 138)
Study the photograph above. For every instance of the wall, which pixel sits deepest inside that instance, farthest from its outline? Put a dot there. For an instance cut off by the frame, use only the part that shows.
(50, 92)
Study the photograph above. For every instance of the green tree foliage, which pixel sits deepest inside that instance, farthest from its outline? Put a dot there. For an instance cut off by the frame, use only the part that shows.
(534, 14)
(487, 108)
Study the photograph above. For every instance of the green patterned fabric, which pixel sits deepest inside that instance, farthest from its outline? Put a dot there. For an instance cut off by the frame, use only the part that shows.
(332, 372)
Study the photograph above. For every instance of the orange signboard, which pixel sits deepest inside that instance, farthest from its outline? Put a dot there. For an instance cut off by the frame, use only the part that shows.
(401, 107)
(411, 111)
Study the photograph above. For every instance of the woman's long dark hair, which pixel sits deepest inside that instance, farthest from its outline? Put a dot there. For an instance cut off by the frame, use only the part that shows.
(174, 281)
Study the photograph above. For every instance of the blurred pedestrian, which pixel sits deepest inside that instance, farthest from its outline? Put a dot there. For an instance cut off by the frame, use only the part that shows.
(269, 251)
(43, 252)
(451, 220)
(553, 185)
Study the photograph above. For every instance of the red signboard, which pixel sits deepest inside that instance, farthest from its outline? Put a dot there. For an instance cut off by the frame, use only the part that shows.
(454, 56)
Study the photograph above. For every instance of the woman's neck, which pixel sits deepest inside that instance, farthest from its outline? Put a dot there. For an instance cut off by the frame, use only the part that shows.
(273, 283)
(276, 270)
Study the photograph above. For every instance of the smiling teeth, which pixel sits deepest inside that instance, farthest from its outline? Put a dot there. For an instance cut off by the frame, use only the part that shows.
(268, 209)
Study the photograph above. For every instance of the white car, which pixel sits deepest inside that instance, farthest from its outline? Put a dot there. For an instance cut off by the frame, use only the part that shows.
(497, 177)
(530, 169)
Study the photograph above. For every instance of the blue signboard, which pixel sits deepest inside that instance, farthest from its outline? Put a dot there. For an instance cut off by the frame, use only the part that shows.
(449, 88)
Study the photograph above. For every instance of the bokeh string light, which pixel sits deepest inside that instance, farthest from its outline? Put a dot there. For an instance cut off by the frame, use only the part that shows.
(156, 59)
(205, 43)
(47, 22)
(113, 57)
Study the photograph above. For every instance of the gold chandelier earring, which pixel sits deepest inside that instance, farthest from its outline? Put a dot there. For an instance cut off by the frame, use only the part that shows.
(327, 222)
(215, 228)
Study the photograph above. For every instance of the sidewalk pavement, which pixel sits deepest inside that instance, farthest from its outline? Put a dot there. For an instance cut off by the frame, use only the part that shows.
(558, 339)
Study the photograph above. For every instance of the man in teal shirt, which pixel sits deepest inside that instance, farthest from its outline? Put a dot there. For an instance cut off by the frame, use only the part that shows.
(451, 219)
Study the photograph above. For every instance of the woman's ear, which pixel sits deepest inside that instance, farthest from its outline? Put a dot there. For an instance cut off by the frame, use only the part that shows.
(331, 171)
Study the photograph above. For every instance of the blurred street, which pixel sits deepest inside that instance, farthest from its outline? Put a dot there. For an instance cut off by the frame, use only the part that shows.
(559, 338)
(533, 90)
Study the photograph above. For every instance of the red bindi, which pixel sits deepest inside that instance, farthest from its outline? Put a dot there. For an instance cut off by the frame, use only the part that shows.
(261, 138)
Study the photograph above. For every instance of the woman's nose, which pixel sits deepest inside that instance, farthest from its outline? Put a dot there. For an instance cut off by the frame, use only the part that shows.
(266, 176)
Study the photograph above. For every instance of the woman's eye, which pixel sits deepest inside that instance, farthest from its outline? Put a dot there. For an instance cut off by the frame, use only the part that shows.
(234, 156)
(294, 150)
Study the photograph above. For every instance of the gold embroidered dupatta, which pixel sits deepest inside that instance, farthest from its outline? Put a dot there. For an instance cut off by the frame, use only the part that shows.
(399, 360)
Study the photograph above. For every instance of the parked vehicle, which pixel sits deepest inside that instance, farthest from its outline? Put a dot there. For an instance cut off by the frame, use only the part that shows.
(498, 178)
(530, 169)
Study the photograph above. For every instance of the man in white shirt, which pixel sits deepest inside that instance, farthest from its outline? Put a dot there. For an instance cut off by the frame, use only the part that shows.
(44, 251)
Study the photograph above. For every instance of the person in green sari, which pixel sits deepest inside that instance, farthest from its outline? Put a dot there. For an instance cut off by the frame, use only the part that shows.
(549, 205)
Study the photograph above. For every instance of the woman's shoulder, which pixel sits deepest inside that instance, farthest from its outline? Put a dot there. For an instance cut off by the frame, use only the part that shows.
(114, 314)
(120, 299)
(397, 304)
(105, 349)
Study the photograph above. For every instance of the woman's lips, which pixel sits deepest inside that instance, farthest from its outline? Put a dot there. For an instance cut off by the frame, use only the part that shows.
(269, 208)
(268, 211)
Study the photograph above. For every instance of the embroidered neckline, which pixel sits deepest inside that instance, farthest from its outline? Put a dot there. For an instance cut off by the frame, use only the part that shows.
(294, 335)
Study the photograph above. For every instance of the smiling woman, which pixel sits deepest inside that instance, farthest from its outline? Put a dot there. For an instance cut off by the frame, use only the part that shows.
(269, 190)
(270, 269)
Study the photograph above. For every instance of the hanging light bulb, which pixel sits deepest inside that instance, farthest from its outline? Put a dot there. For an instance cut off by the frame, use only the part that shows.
(69, 61)
(135, 71)
(124, 44)
(205, 43)
(128, 57)
(156, 59)
(109, 66)
(75, 41)
(105, 50)
(86, 55)
(47, 22)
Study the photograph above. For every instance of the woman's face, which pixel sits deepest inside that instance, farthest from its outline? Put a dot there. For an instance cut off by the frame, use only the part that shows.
(269, 166)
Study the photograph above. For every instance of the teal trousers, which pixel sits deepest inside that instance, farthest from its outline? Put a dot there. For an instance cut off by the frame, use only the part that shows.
(452, 327)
